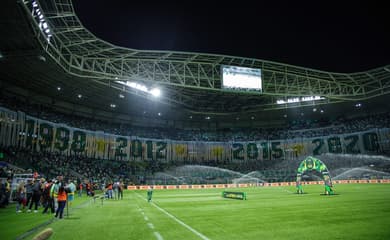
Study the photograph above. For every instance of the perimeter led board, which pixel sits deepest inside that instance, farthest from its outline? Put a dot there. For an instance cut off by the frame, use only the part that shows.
(241, 78)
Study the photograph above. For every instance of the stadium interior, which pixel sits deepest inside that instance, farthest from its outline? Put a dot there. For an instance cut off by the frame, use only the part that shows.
(222, 147)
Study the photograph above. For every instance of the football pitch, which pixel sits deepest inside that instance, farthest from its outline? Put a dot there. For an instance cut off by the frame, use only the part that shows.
(359, 211)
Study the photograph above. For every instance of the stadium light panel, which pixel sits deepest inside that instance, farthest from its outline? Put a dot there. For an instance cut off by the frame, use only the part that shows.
(299, 99)
(43, 26)
(155, 91)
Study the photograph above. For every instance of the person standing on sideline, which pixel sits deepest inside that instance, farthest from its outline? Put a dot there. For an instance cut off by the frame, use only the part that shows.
(115, 187)
(21, 197)
(120, 190)
(29, 191)
(37, 191)
(7, 190)
(150, 193)
(48, 201)
(109, 190)
(61, 199)
(80, 189)
(72, 188)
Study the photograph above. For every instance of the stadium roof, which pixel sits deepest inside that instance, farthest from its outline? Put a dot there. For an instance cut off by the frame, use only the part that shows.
(332, 36)
(45, 46)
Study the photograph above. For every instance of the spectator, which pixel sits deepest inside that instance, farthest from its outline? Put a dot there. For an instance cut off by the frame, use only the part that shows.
(71, 190)
(61, 199)
(20, 197)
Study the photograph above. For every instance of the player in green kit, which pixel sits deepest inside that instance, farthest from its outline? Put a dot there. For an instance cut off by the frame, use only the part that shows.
(328, 185)
(150, 193)
(299, 185)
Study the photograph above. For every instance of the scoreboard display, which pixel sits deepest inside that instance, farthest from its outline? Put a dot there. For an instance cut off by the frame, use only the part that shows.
(241, 78)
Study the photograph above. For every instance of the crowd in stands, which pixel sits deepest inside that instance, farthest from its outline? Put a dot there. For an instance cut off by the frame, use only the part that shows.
(303, 128)
(73, 166)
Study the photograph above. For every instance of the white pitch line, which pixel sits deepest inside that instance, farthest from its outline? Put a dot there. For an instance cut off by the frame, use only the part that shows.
(150, 225)
(158, 236)
(182, 223)
(286, 190)
(177, 220)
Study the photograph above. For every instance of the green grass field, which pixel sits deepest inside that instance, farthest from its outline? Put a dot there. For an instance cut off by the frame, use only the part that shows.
(360, 211)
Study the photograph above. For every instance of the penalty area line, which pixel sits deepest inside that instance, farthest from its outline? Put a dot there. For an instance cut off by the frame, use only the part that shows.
(177, 220)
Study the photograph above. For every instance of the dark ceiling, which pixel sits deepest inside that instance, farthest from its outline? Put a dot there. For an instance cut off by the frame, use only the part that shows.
(24, 65)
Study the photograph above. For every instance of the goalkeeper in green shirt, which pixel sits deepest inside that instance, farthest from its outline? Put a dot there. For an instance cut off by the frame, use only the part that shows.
(150, 193)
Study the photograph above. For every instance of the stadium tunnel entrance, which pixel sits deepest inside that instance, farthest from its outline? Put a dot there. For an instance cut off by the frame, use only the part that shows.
(314, 164)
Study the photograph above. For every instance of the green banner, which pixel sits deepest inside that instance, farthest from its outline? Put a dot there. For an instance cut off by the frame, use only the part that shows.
(234, 195)
(18, 129)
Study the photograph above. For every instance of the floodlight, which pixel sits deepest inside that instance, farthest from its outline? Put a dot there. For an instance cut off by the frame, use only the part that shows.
(155, 92)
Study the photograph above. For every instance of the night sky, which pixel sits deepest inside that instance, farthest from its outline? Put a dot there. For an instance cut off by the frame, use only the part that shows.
(337, 37)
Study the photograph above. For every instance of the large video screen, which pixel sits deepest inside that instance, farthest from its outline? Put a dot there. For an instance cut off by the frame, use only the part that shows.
(241, 78)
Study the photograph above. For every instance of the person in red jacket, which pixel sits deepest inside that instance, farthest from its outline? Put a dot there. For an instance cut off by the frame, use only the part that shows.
(109, 190)
(61, 198)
